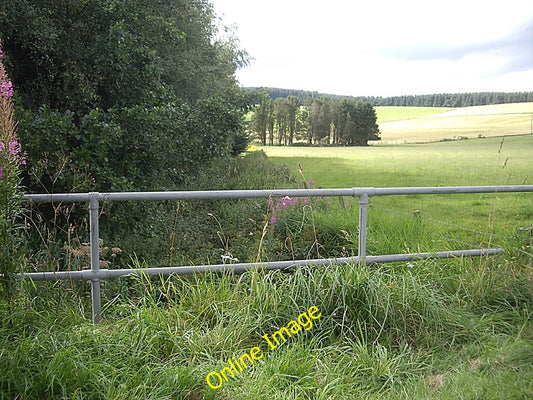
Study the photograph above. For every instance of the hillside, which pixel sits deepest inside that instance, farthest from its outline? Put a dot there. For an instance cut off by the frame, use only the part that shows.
(410, 124)
(425, 100)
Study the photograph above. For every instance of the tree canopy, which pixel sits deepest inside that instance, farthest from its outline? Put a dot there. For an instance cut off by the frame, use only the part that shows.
(120, 95)
(343, 121)
(84, 54)
(117, 93)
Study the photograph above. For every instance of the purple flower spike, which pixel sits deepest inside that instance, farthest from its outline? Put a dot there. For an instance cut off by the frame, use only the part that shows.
(6, 89)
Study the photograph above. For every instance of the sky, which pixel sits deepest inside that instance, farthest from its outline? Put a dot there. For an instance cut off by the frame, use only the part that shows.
(384, 47)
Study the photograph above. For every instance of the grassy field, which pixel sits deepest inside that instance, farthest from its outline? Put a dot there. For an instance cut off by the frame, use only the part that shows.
(421, 124)
(489, 161)
(435, 329)
(389, 114)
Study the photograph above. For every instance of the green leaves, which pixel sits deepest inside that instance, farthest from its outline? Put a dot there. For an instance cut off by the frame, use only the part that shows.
(322, 120)
(357, 122)
(116, 53)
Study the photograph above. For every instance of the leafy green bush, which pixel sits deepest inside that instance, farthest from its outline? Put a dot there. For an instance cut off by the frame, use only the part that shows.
(134, 149)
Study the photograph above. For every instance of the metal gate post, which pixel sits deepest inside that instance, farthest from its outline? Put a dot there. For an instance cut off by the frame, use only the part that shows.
(95, 256)
(363, 212)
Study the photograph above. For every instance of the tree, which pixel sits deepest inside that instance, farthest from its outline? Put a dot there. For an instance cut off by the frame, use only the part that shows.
(271, 121)
(292, 105)
(260, 117)
(357, 123)
(319, 119)
(85, 54)
(282, 119)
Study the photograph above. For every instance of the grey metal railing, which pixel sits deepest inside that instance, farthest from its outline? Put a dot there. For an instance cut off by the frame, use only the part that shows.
(96, 274)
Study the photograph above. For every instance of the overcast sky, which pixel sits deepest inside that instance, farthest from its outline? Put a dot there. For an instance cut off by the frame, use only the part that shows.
(384, 47)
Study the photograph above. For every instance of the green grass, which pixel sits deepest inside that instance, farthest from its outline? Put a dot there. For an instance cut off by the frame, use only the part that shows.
(477, 162)
(389, 113)
(490, 161)
(445, 329)
(384, 332)
(469, 162)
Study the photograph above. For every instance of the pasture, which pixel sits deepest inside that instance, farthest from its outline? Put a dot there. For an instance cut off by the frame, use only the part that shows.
(427, 124)
(489, 161)
(391, 113)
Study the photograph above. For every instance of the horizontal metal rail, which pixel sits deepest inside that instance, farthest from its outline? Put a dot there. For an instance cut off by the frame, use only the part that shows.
(102, 274)
(95, 274)
(241, 194)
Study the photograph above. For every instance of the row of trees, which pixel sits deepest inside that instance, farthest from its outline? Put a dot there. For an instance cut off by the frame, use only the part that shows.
(453, 99)
(344, 121)
(426, 100)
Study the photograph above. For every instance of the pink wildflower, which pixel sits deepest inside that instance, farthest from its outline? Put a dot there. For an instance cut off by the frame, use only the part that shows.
(311, 183)
(15, 150)
(273, 220)
(14, 147)
(6, 89)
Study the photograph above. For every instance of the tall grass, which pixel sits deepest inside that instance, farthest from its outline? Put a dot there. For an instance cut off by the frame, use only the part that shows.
(383, 331)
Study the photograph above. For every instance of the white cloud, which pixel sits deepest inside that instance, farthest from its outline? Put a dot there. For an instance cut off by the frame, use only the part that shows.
(385, 47)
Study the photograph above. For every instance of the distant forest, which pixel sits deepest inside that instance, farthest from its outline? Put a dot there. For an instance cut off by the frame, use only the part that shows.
(425, 100)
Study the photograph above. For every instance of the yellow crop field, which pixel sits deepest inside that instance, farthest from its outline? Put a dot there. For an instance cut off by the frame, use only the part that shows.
(466, 122)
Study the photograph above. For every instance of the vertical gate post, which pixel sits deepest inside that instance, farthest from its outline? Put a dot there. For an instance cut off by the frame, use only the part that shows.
(363, 212)
(94, 209)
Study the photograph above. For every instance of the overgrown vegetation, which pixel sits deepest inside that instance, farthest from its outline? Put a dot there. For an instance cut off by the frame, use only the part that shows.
(119, 96)
(11, 207)
(439, 329)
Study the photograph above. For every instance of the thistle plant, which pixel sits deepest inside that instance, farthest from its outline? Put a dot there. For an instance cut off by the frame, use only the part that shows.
(11, 160)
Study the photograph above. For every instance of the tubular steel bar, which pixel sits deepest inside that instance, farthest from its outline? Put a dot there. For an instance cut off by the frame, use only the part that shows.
(89, 275)
(241, 194)
(95, 274)
(94, 209)
(186, 195)
(363, 212)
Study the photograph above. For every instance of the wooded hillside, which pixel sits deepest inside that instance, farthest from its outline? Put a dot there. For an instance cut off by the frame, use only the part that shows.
(426, 100)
